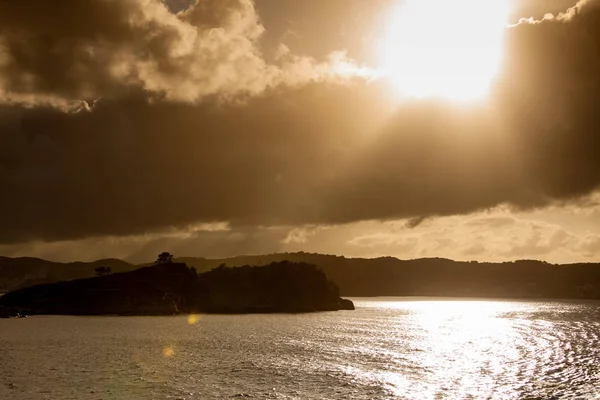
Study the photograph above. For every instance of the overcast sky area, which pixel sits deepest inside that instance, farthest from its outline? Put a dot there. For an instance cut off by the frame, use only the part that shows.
(218, 128)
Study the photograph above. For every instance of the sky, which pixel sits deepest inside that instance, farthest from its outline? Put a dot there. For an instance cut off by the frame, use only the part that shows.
(406, 128)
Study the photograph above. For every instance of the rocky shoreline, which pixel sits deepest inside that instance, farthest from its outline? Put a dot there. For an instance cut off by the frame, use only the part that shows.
(7, 313)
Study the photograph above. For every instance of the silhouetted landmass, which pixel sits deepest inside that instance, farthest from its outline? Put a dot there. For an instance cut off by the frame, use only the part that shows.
(16, 273)
(173, 288)
(388, 276)
(385, 276)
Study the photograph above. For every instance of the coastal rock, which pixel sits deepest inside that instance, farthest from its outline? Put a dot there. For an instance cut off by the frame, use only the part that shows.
(346, 304)
(11, 312)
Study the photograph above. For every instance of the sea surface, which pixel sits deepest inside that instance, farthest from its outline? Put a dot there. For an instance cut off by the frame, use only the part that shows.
(389, 348)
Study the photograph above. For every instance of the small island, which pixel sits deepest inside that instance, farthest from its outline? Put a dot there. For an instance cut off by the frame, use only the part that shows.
(169, 288)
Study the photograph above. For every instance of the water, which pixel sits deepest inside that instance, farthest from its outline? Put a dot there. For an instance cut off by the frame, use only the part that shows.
(386, 349)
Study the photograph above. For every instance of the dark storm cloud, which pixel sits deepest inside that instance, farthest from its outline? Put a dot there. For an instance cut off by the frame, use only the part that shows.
(129, 166)
(320, 153)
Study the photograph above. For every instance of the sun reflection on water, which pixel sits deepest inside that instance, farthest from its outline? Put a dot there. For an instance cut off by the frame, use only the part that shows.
(460, 346)
(395, 348)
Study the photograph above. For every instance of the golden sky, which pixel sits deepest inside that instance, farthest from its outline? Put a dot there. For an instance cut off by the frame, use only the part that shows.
(412, 128)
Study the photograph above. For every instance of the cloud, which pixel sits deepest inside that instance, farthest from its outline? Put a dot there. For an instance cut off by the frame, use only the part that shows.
(497, 235)
(492, 221)
(414, 222)
(573, 10)
(590, 245)
(109, 48)
(311, 144)
(536, 9)
(533, 144)
(489, 236)
(301, 235)
(131, 167)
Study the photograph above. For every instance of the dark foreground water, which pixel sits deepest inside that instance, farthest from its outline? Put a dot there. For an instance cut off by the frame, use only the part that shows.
(386, 349)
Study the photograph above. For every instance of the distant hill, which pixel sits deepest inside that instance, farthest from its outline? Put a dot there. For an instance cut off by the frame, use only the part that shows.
(389, 276)
(386, 276)
(16, 273)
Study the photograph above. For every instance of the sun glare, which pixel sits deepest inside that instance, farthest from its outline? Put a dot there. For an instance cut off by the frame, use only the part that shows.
(442, 48)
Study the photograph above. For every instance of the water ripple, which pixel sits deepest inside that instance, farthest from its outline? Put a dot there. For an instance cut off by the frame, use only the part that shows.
(386, 349)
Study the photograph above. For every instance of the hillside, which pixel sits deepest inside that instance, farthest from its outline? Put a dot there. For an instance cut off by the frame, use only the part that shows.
(174, 288)
(386, 276)
(16, 273)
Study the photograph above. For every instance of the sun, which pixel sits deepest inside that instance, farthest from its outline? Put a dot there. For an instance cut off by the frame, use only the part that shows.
(445, 48)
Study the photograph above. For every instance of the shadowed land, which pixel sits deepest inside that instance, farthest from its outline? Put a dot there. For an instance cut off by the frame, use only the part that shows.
(385, 276)
(173, 288)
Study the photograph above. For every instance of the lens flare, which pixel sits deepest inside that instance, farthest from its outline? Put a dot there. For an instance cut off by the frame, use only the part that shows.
(168, 352)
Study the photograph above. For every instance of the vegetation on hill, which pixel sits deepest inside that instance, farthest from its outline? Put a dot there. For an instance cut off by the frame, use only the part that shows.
(173, 288)
(388, 276)
(384, 276)
(282, 286)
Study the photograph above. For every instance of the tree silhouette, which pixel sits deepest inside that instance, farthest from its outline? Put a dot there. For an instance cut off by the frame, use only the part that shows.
(102, 271)
(164, 258)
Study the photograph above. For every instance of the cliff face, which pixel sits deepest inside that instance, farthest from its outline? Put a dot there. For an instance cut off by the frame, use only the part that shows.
(174, 288)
